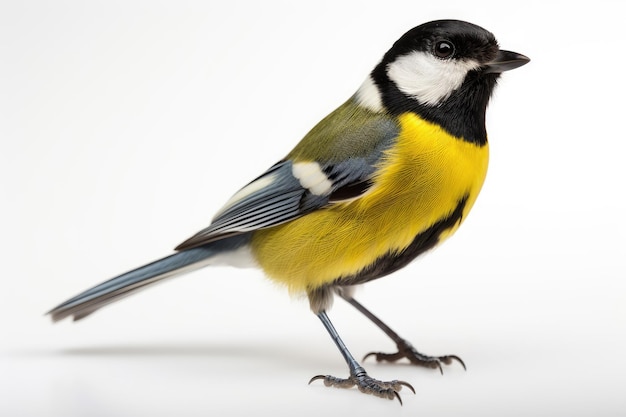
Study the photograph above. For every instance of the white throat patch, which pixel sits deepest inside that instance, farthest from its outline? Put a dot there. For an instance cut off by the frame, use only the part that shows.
(428, 79)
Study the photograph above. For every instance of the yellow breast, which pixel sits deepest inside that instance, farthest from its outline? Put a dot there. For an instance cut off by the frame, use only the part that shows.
(418, 182)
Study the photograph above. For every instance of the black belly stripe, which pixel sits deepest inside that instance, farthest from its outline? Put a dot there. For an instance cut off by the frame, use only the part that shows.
(391, 262)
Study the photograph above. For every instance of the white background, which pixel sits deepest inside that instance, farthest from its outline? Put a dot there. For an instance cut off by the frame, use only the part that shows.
(124, 125)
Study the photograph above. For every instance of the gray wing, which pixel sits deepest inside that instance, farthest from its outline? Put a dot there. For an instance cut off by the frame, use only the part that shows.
(285, 192)
(336, 161)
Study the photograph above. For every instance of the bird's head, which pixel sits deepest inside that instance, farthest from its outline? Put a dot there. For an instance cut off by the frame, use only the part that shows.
(444, 71)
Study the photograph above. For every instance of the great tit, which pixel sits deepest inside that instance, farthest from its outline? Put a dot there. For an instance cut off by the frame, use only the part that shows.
(382, 179)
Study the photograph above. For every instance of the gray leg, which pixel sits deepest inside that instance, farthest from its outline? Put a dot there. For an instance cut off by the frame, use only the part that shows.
(358, 377)
(405, 349)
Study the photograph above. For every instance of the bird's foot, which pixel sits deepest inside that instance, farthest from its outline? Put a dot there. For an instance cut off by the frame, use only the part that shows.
(366, 384)
(406, 350)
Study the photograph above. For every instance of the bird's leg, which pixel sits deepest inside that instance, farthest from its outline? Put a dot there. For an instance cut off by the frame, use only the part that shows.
(405, 349)
(358, 377)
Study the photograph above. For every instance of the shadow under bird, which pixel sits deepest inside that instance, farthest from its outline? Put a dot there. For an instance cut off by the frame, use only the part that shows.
(385, 177)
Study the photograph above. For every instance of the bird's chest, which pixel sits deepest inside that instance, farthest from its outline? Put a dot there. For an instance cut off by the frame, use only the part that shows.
(424, 185)
(423, 178)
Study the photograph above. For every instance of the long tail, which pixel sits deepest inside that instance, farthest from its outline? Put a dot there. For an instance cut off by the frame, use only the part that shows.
(126, 284)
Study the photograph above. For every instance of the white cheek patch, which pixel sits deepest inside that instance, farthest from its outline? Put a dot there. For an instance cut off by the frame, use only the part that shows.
(312, 177)
(368, 95)
(428, 79)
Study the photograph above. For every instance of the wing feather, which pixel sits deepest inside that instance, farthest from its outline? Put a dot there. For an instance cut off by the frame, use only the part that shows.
(298, 185)
(277, 201)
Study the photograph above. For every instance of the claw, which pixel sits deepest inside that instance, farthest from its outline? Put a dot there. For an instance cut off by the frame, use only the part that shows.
(316, 377)
(449, 358)
(406, 384)
(406, 350)
(367, 385)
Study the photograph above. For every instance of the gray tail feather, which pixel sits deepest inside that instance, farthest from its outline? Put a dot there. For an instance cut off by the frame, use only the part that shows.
(126, 284)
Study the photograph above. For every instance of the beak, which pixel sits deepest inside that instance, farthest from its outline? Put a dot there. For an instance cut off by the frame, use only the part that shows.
(505, 61)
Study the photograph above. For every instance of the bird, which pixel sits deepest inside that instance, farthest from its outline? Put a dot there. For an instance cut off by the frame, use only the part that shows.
(385, 177)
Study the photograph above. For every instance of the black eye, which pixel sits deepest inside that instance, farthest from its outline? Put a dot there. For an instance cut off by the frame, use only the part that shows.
(444, 49)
